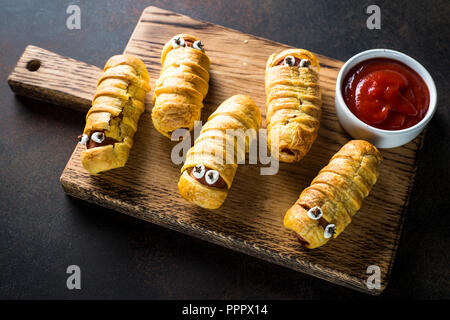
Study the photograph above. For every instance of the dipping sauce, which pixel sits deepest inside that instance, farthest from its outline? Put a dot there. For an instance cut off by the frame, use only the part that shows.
(386, 94)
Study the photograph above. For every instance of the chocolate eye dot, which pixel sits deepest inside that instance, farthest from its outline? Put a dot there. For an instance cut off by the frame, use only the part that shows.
(212, 176)
(98, 137)
(83, 139)
(198, 45)
(289, 60)
(315, 213)
(199, 171)
(178, 42)
(305, 63)
(329, 231)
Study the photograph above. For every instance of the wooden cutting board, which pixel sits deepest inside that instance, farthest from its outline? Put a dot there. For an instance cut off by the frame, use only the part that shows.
(251, 219)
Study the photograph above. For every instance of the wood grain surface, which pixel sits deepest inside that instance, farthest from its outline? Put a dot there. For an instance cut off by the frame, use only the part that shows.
(43, 75)
(251, 219)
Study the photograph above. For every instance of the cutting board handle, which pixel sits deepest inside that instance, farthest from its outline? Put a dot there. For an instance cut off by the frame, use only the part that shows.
(44, 75)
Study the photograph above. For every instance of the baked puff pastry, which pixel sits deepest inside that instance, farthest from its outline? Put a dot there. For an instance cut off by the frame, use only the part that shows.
(182, 85)
(293, 103)
(211, 163)
(327, 206)
(113, 118)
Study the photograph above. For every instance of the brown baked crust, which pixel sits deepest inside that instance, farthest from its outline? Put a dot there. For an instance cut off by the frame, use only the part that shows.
(293, 105)
(338, 190)
(210, 149)
(181, 87)
(116, 108)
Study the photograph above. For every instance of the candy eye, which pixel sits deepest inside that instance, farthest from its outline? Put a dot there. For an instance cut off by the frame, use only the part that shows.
(329, 231)
(199, 171)
(178, 42)
(98, 137)
(84, 139)
(315, 213)
(289, 60)
(304, 63)
(212, 176)
(198, 45)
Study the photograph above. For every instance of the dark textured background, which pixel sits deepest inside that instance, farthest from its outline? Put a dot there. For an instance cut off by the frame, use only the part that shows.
(42, 231)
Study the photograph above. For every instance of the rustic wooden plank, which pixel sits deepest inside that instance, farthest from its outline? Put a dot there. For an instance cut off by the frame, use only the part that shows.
(250, 221)
(43, 75)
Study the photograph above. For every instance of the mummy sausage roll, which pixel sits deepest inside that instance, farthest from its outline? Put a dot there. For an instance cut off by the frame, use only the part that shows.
(182, 85)
(327, 206)
(113, 118)
(293, 102)
(211, 163)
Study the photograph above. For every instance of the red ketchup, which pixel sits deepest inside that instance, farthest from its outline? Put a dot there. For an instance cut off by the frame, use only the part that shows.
(386, 94)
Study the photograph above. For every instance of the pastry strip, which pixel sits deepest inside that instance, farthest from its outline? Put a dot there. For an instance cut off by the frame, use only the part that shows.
(182, 85)
(336, 194)
(209, 153)
(293, 103)
(112, 120)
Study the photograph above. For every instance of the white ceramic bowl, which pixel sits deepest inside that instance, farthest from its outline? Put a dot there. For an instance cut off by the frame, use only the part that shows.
(378, 137)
